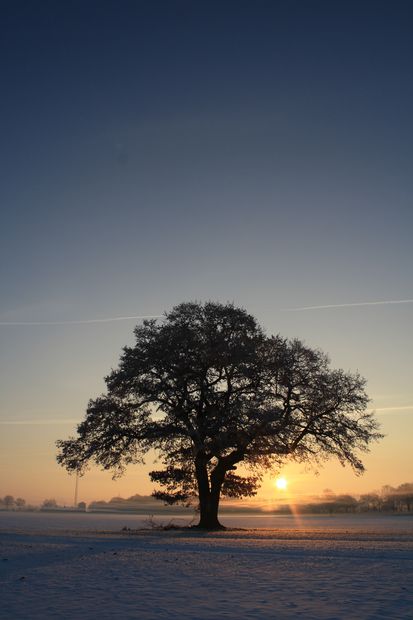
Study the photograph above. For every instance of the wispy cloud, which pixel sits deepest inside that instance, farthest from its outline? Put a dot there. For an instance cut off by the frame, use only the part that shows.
(351, 305)
(112, 319)
(40, 422)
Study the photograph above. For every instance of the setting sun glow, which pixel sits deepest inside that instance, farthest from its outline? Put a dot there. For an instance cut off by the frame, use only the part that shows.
(281, 484)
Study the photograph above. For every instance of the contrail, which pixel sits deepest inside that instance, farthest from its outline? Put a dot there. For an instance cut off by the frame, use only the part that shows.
(383, 410)
(39, 422)
(84, 321)
(353, 305)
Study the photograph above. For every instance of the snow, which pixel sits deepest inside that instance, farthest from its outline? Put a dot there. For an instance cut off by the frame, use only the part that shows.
(75, 566)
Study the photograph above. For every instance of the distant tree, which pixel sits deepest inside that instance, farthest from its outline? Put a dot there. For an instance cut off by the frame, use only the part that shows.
(405, 492)
(20, 502)
(398, 499)
(82, 506)
(370, 502)
(208, 390)
(49, 504)
(405, 488)
(8, 501)
(345, 503)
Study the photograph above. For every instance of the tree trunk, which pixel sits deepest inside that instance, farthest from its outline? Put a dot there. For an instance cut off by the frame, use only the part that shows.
(208, 508)
(209, 495)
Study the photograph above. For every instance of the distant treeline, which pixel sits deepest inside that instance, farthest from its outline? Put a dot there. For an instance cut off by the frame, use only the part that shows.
(148, 504)
(388, 500)
(136, 503)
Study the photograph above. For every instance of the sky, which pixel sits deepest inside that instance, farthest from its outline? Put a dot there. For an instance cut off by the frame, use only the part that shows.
(158, 152)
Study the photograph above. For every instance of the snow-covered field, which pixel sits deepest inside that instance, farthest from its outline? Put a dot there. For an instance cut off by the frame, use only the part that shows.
(84, 566)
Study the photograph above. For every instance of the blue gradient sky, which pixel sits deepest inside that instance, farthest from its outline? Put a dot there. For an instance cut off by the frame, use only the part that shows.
(156, 152)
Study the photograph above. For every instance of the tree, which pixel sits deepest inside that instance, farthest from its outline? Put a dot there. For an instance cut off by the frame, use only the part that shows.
(49, 504)
(370, 502)
(8, 501)
(209, 391)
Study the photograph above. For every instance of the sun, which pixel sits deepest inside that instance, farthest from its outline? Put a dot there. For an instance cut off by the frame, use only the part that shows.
(281, 484)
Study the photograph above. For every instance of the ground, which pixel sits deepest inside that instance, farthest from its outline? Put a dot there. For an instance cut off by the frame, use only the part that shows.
(315, 573)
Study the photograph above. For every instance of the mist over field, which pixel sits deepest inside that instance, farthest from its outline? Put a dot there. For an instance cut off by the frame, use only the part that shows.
(388, 500)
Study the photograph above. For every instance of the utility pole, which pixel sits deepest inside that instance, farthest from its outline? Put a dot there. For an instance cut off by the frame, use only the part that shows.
(76, 487)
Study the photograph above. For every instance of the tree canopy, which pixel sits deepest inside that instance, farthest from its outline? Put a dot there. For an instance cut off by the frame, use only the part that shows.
(209, 390)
